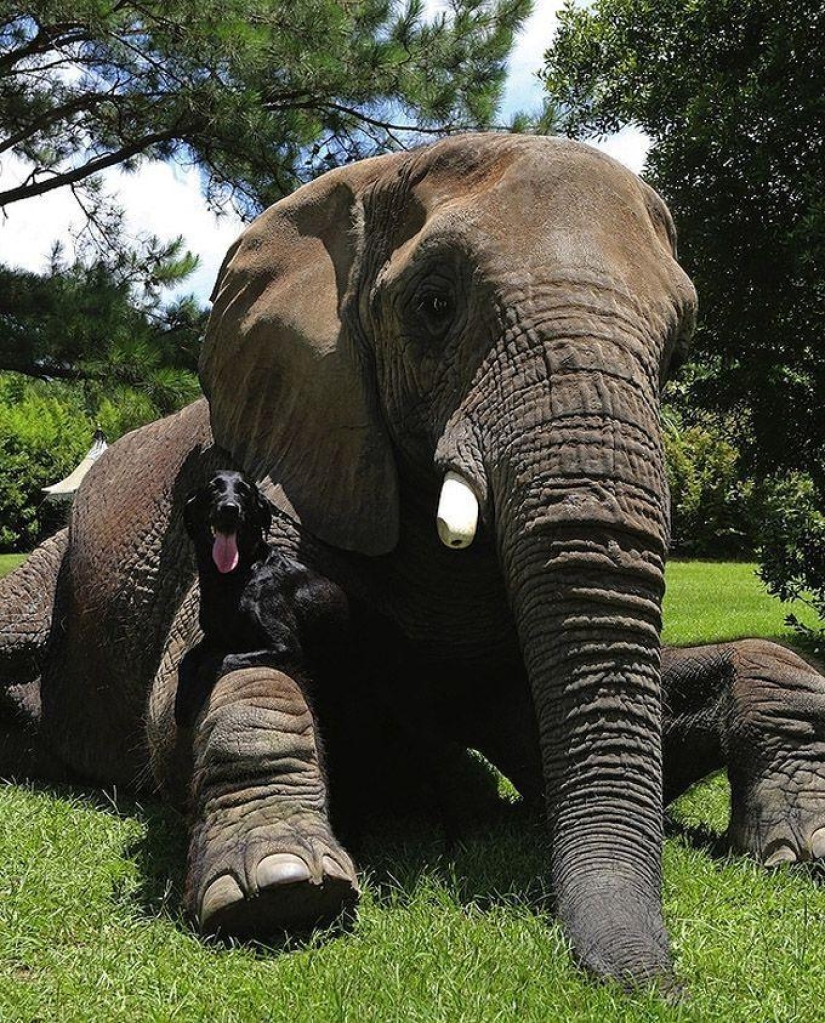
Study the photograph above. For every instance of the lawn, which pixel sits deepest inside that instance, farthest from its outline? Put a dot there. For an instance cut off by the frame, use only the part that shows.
(91, 929)
(8, 562)
(712, 600)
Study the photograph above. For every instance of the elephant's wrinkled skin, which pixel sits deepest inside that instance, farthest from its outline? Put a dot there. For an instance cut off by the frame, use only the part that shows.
(506, 308)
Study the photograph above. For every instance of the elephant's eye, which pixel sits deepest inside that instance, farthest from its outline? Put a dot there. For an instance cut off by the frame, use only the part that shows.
(436, 309)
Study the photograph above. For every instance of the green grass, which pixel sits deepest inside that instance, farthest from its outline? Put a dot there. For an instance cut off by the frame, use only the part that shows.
(8, 562)
(91, 927)
(710, 600)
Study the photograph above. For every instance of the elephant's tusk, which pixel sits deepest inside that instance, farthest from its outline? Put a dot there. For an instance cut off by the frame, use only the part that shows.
(457, 515)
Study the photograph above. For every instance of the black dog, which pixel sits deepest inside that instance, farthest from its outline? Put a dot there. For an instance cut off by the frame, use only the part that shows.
(257, 606)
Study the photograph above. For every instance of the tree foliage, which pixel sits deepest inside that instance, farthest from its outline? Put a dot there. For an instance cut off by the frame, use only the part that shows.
(261, 94)
(103, 322)
(45, 429)
(793, 547)
(91, 344)
(714, 509)
(732, 94)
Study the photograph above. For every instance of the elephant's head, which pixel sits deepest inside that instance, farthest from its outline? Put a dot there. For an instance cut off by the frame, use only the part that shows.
(500, 311)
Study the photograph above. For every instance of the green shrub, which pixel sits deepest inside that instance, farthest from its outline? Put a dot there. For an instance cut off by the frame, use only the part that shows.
(792, 547)
(45, 430)
(42, 438)
(714, 507)
(718, 511)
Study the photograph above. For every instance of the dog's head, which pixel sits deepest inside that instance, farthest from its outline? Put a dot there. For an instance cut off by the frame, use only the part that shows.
(229, 519)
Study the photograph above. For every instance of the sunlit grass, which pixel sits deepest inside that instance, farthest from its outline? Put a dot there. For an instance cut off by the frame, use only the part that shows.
(91, 927)
(710, 600)
(8, 562)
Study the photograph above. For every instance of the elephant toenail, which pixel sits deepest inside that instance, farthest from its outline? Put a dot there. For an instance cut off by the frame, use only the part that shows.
(818, 844)
(782, 853)
(223, 892)
(281, 869)
(334, 870)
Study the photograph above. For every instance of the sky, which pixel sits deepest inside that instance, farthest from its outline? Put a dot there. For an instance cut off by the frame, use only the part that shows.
(165, 200)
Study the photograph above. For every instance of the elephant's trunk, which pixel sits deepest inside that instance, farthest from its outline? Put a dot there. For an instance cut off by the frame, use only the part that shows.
(580, 508)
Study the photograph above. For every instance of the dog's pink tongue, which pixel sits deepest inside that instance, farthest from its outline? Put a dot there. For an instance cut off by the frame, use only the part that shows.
(225, 552)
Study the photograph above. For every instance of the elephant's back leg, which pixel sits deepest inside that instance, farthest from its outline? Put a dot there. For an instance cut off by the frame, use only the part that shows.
(27, 598)
(696, 686)
(27, 613)
(758, 709)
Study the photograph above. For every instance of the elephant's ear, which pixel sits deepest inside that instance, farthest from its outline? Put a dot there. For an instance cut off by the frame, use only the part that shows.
(291, 395)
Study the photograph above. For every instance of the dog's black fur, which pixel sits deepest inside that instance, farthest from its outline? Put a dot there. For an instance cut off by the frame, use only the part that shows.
(267, 610)
(270, 610)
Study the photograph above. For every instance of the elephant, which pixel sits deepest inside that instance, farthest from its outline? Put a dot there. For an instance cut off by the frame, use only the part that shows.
(445, 367)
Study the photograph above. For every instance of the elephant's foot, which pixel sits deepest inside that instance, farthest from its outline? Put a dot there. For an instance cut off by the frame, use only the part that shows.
(293, 877)
(781, 818)
(776, 755)
(262, 858)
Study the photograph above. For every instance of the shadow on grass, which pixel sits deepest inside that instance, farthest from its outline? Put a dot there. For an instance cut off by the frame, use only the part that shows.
(493, 853)
(160, 854)
(701, 837)
(499, 858)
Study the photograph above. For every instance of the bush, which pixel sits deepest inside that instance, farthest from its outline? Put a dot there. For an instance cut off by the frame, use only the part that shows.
(792, 548)
(713, 506)
(42, 438)
(45, 430)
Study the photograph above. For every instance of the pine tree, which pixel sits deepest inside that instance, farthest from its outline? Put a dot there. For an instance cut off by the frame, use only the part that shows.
(260, 94)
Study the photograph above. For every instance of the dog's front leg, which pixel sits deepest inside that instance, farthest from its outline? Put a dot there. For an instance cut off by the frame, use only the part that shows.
(197, 672)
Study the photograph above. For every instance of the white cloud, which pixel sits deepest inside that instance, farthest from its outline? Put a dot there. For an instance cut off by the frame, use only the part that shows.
(167, 200)
(160, 199)
(28, 229)
(523, 90)
(629, 146)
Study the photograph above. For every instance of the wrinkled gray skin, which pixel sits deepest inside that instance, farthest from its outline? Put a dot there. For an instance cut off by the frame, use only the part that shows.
(332, 374)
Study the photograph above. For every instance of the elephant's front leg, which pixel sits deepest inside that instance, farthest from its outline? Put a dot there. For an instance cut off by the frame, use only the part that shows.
(262, 855)
(757, 709)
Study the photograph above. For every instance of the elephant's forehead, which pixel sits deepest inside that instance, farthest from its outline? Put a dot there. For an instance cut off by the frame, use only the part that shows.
(543, 218)
(525, 190)
(534, 172)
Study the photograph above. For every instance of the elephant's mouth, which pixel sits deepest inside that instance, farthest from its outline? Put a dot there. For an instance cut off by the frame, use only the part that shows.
(225, 551)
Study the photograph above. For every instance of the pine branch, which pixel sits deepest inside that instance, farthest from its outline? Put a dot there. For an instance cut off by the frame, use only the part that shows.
(56, 114)
(48, 370)
(49, 37)
(388, 126)
(28, 191)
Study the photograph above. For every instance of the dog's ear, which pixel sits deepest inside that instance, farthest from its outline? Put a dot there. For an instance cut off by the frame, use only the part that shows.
(264, 511)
